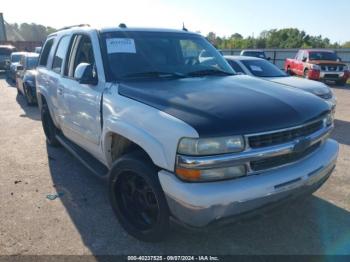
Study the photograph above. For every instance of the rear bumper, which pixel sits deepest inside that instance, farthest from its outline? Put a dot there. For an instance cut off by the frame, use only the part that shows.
(200, 204)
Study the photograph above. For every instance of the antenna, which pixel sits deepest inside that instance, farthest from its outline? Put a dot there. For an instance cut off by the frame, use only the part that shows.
(183, 27)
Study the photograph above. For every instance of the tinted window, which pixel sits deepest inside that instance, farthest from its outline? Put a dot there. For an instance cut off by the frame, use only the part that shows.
(45, 52)
(323, 56)
(6, 51)
(132, 53)
(60, 54)
(262, 68)
(15, 58)
(236, 66)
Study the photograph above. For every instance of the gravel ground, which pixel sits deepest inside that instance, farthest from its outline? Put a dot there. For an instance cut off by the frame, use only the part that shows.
(81, 220)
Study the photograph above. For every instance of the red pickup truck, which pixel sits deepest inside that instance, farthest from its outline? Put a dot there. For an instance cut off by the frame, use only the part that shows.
(318, 65)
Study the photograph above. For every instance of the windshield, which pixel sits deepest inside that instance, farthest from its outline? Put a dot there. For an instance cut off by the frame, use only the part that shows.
(5, 51)
(15, 58)
(161, 54)
(323, 56)
(255, 54)
(262, 68)
(32, 62)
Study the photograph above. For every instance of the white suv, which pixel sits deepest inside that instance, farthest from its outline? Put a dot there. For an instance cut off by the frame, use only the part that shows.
(178, 136)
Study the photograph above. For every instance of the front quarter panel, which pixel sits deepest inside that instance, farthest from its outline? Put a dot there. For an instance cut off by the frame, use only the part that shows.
(154, 131)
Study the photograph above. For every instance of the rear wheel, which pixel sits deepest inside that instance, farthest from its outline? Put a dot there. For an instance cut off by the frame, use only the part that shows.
(289, 71)
(138, 199)
(49, 127)
(306, 73)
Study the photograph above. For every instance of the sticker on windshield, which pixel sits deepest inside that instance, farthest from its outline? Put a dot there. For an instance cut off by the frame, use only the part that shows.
(120, 45)
(256, 68)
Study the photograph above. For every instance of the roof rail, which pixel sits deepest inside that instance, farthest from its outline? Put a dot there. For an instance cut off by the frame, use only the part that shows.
(72, 26)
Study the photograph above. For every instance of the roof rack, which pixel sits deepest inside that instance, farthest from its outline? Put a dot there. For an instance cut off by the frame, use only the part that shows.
(72, 26)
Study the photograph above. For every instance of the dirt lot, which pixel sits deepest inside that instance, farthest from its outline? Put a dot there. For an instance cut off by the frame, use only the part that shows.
(81, 220)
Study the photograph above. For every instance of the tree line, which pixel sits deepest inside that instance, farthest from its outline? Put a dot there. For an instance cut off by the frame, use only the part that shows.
(27, 32)
(282, 38)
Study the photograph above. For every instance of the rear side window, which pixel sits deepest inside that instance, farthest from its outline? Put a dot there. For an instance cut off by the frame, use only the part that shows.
(45, 52)
(60, 54)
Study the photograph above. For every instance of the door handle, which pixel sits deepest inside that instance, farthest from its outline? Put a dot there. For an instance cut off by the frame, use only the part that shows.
(60, 91)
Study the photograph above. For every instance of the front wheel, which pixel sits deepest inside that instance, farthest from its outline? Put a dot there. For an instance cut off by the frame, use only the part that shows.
(49, 127)
(138, 199)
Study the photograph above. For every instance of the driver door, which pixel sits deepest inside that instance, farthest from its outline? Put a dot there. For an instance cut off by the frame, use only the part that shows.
(82, 118)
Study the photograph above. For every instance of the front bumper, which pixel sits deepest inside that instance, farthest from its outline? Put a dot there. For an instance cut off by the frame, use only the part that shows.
(333, 76)
(199, 204)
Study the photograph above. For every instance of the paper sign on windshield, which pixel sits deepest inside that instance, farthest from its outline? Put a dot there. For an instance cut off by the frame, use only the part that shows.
(256, 68)
(120, 45)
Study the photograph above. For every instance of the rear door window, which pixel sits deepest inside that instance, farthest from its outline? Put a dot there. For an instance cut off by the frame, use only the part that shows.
(45, 52)
(60, 54)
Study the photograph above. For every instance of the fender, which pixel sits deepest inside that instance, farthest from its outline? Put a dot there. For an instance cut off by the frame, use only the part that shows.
(156, 132)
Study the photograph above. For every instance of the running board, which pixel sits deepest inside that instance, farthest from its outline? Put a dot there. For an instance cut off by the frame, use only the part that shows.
(91, 163)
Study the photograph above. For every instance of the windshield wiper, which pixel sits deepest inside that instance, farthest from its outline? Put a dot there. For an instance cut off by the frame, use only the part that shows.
(206, 72)
(155, 74)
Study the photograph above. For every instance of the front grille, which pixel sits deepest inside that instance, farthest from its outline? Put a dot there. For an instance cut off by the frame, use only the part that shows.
(286, 136)
(331, 76)
(272, 162)
(332, 68)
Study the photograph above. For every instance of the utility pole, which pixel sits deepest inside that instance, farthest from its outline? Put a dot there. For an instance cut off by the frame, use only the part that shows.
(3, 36)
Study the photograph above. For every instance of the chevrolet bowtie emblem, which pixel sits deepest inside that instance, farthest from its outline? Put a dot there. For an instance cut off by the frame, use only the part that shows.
(302, 144)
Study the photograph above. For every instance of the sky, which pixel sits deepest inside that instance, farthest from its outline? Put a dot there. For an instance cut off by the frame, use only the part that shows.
(224, 17)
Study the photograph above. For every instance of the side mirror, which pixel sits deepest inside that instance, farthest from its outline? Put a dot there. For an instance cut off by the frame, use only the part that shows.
(268, 58)
(19, 68)
(339, 59)
(304, 59)
(85, 74)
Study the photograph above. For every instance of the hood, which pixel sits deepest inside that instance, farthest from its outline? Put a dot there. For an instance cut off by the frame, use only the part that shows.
(326, 62)
(311, 86)
(231, 105)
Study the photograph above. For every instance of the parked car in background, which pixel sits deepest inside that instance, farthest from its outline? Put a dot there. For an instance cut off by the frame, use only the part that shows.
(261, 68)
(176, 137)
(5, 56)
(14, 62)
(25, 77)
(318, 65)
(255, 53)
(37, 49)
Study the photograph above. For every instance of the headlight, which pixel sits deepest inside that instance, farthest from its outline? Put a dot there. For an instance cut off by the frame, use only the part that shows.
(210, 146)
(211, 174)
(315, 67)
(329, 119)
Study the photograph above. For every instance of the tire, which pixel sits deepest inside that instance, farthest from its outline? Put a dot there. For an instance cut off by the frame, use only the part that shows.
(29, 98)
(137, 198)
(289, 72)
(49, 127)
(306, 73)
